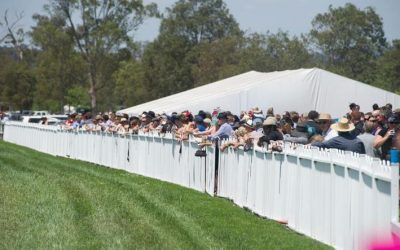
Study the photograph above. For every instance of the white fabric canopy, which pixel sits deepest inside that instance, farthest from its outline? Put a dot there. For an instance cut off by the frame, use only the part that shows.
(299, 90)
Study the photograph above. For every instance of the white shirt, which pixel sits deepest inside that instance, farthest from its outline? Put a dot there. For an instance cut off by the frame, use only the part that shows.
(330, 134)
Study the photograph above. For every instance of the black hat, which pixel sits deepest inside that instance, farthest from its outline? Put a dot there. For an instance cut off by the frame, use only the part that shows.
(151, 114)
(394, 119)
(198, 119)
(202, 114)
(222, 115)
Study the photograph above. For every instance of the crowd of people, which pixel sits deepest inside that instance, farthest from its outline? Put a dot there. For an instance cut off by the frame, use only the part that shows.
(373, 133)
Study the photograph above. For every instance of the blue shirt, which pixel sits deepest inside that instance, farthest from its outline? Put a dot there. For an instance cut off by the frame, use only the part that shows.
(76, 124)
(345, 141)
(224, 131)
(201, 127)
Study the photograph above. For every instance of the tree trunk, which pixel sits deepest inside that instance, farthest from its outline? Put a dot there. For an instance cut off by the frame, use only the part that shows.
(92, 91)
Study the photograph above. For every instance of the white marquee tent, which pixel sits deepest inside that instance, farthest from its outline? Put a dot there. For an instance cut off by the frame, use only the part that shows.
(300, 90)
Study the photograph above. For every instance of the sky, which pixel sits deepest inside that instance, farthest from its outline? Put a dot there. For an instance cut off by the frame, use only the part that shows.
(293, 16)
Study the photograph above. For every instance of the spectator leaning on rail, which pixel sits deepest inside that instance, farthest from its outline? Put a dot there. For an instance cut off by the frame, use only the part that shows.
(356, 119)
(368, 139)
(225, 130)
(271, 132)
(298, 135)
(345, 140)
(312, 126)
(325, 122)
(388, 137)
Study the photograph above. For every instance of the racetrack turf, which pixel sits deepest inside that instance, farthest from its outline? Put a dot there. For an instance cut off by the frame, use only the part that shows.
(52, 202)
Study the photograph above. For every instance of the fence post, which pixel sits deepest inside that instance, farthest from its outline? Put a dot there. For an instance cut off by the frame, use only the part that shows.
(394, 163)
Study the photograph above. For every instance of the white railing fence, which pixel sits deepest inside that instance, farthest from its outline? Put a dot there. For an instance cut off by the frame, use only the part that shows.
(1, 129)
(149, 155)
(339, 198)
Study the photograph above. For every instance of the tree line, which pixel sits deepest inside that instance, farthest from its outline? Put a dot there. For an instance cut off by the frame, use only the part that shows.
(84, 53)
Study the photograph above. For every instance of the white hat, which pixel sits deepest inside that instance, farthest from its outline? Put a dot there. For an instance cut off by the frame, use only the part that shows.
(270, 121)
(343, 125)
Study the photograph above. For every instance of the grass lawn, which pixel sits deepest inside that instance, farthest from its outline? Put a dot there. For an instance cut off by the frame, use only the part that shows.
(50, 202)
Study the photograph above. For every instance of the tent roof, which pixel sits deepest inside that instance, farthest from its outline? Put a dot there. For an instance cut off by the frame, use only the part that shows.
(300, 90)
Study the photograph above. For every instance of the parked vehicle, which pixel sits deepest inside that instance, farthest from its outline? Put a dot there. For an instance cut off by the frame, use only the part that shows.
(15, 116)
(37, 119)
(62, 118)
(42, 113)
(26, 112)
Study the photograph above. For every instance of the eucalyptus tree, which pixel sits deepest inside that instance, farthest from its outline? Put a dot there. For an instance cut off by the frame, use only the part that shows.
(350, 40)
(100, 28)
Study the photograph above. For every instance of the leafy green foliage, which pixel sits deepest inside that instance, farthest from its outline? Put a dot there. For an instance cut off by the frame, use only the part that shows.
(188, 30)
(76, 96)
(350, 39)
(100, 28)
(130, 89)
(273, 52)
(17, 83)
(58, 67)
(388, 75)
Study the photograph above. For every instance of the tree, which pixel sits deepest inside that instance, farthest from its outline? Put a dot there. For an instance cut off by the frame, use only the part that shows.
(58, 67)
(100, 27)
(169, 60)
(130, 89)
(199, 21)
(14, 35)
(389, 68)
(273, 52)
(350, 40)
(76, 97)
(217, 60)
(18, 83)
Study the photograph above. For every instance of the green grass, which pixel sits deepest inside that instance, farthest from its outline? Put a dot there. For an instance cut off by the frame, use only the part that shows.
(49, 202)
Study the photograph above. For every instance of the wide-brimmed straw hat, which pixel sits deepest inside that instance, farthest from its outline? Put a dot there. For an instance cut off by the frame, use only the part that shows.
(343, 125)
(256, 110)
(324, 116)
(248, 124)
(241, 131)
(270, 121)
(207, 120)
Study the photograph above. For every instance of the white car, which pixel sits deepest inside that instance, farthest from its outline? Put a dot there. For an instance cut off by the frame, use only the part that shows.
(37, 119)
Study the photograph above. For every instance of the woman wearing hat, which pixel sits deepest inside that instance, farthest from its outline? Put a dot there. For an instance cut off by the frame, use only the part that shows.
(271, 132)
(345, 140)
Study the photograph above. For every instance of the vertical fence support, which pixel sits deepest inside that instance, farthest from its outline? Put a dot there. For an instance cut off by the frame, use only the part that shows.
(394, 164)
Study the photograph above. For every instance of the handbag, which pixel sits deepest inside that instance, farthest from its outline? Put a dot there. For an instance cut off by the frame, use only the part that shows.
(200, 153)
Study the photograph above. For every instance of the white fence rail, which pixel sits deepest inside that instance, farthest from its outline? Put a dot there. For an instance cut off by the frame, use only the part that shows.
(342, 199)
(339, 198)
(146, 154)
(1, 129)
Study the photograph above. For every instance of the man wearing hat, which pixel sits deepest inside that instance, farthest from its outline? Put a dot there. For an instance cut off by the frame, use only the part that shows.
(324, 122)
(225, 130)
(345, 140)
(298, 135)
(270, 131)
